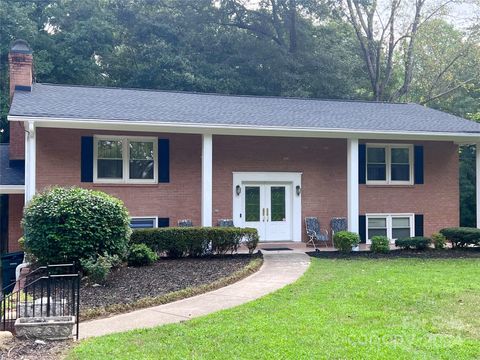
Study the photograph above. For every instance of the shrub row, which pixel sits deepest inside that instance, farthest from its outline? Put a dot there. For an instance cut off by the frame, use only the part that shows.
(462, 236)
(196, 241)
(416, 242)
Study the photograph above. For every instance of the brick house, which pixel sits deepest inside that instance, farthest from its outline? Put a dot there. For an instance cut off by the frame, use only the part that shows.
(265, 162)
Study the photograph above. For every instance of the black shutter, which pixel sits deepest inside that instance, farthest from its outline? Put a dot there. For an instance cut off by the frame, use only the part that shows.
(418, 224)
(163, 160)
(362, 164)
(163, 222)
(418, 164)
(87, 159)
(362, 228)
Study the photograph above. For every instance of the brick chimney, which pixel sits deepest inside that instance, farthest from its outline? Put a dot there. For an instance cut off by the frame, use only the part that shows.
(20, 62)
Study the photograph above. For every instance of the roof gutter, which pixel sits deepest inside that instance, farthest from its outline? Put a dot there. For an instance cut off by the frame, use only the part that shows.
(246, 130)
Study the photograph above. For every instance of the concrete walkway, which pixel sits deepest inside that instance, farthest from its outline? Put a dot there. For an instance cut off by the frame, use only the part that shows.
(279, 269)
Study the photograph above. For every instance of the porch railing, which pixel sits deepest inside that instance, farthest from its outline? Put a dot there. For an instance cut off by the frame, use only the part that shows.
(52, 290)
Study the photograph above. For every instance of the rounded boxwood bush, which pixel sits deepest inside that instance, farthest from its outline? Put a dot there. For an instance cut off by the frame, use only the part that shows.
(345, 240)
(74, 224)
(380, 244)
(141, 255)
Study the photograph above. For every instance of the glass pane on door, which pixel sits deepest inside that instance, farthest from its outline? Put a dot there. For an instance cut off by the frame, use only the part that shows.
(277, 203)
(252, 203)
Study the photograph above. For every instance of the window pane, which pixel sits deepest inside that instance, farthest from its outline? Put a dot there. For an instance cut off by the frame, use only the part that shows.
(376, 172)
(109, 149)
(375, 155)
(400, 222)
(109, 169)
(142, 169)
(252, 203)
(400, 233)
(142, 223)
(400, 156)
(400, 172)
(376, 232)
(141, 150)
(377, 222)
(277, 204)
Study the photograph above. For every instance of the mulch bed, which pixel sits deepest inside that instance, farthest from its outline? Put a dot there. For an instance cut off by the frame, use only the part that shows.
(30, 350)
(395, 254)
(129, 284)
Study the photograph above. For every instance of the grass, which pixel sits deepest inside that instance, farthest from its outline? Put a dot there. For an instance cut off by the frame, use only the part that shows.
(250, 268)
(340, 309)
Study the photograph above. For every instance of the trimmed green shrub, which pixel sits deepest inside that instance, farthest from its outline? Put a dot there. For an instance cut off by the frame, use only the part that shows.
(141, 255)
(195, 241)
(462, 236)
(345, 240)
(439, 241)
(380, 244)
(74, 224)
(98, 269)
(416, 242)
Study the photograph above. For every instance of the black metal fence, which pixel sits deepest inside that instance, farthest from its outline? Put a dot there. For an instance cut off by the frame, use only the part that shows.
(52, 290)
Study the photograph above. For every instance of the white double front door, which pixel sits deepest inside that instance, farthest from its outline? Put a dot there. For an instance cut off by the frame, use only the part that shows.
(268, 208)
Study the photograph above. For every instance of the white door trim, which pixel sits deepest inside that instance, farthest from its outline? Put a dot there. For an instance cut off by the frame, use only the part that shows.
(294, 178)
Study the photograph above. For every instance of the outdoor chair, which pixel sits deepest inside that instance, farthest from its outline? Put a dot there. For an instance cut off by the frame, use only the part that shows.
(225, 223)
(185, 223)
(315, 233)
(338, 224)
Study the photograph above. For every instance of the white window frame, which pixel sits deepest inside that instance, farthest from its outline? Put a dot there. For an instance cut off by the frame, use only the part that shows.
(388, 163)
(389, 222)
(126, 159)
(155, 218)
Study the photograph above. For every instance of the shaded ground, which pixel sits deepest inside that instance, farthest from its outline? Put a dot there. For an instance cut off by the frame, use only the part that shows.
(30, 350)
(129, 284)
(459, 253)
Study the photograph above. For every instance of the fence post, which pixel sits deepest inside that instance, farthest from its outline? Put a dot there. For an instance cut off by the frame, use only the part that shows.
(48, 290)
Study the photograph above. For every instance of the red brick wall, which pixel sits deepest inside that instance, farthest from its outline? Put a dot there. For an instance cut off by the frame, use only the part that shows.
(17, 141)
(438, 199)
(15, 212)
(58, 163)
(20, 73)
(322, 162)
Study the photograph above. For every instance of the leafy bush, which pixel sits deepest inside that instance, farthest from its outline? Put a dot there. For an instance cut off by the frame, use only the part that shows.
(345, 240)
(99, 268)
(439, 241)
(416, 242)
(74, 224)
(462, 236)
(141, 255)
(195, 241)
(380, 244)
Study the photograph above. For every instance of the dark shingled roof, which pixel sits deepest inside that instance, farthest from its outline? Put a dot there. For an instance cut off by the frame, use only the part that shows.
(11, 172)
(99, 103)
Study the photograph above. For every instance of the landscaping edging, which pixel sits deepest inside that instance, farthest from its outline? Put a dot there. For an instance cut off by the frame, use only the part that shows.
(109, 310)
(456, 253)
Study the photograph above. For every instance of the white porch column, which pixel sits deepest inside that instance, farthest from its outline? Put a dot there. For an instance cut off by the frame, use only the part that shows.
(477, 182)
(207, 180)
(30, 160)
(352, 185)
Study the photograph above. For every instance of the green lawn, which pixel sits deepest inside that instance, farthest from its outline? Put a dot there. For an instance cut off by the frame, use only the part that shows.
(340, 309)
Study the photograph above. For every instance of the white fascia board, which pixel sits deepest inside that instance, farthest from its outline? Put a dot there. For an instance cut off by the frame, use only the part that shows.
(12, 189)
(245, 130)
